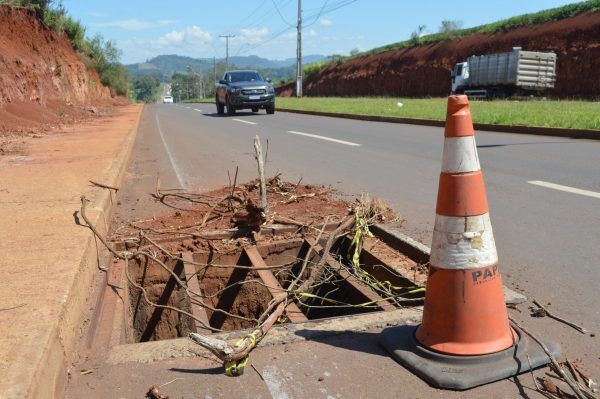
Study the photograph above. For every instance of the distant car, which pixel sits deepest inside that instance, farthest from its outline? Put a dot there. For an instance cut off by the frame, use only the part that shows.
(244, 90)
(167, 100)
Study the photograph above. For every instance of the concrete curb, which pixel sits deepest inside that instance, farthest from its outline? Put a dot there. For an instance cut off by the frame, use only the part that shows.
(51, 372)
(154, 351)
(535, 130)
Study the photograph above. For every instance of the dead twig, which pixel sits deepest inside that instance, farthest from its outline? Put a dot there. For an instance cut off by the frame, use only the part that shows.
(13, 307)
(95, 183)
(170, 382)
(233, 187)
(261, 174)
(553, 361)
(555, 317)
(91, 226)
(257, 372)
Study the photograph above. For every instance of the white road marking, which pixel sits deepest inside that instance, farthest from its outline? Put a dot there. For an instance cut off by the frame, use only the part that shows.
(275, 382)
(316, 136)
(567, 189)
(171, 158)
(243, 121)
(196, 109)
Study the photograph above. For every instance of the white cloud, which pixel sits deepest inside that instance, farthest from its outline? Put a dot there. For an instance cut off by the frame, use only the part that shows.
(196, 33)
(171, 38)
(325, 22)
(252, 35)
(310, 33)
(190, 35)
(165, 22)
(135, 24)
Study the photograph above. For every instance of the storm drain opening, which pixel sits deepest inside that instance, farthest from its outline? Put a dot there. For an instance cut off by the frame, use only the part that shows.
(153, 323)
(230, 290)
(235, 298)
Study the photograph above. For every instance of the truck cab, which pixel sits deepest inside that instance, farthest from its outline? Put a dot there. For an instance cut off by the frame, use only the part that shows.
(459, 75)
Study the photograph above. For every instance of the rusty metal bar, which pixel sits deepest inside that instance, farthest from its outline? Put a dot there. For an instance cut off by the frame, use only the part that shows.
(193, 285)
(292, 311)
(345, 274)
(227, 234)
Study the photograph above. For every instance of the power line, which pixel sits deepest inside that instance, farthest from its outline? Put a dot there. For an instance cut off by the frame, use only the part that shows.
(246, 18)
(323, 10)
(331, 8)
(281, 15)
(318, 15)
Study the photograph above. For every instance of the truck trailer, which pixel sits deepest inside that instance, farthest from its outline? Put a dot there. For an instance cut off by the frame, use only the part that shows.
(517, 72)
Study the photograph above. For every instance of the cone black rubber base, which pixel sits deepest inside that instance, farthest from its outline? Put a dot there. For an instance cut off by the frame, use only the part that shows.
(463, 372)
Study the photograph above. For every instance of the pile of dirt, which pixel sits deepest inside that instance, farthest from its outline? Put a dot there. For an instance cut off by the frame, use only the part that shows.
(43, 82)
(189, 213)
(425, 70)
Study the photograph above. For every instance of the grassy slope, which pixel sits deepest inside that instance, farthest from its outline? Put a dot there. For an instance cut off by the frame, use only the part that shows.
(540, 17)
(550, 113)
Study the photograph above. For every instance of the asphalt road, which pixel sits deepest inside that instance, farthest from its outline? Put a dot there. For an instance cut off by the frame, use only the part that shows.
(548, 237)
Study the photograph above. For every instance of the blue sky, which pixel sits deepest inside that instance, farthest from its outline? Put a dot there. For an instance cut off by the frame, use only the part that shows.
(144, 29)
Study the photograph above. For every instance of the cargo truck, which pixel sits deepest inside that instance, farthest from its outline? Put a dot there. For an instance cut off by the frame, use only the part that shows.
(517, 72)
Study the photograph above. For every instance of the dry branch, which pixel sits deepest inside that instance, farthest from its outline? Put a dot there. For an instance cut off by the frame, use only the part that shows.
(104, 185)
(555, 317)
(574, 386)
(261, 174)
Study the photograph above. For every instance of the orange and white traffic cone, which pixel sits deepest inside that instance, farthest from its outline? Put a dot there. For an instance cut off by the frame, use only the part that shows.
(465, 338)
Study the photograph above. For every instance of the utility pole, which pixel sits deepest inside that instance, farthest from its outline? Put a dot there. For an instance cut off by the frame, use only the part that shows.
(299, 53)
(215, 74)
(227, 37)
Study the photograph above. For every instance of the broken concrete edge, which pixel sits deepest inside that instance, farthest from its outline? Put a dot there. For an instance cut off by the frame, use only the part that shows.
(153, 351)
(49, 375)
(420, 252)
(518, 129)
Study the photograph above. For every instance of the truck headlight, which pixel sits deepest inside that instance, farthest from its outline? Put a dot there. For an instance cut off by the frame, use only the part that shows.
(271, 90)
(235, 90)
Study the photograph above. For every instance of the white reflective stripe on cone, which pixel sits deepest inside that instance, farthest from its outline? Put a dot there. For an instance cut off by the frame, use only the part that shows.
(460, 155)
(463, 242)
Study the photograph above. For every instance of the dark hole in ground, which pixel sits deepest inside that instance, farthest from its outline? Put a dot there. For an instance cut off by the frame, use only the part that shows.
(153, 323)
(240, 293)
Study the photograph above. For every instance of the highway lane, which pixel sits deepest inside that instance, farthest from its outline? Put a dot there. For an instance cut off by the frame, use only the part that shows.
(547, 237)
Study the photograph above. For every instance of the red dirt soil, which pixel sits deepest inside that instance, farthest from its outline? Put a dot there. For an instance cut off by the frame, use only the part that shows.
(425, 70)
(43, 82)
(308, 204)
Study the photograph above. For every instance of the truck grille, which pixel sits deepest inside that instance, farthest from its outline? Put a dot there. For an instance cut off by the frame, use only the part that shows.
(254, 91)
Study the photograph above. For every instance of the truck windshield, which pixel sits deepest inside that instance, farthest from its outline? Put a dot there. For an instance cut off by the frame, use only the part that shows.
(244, 77)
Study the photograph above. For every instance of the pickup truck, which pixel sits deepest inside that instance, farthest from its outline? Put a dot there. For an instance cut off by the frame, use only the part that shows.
(244, 90)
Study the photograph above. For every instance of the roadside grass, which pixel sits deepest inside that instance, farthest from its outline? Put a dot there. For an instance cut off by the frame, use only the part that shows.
(198, 100)
(545, 113)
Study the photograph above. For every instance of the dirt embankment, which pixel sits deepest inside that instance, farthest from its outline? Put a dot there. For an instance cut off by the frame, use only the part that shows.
(43, 82)
(425, 70)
